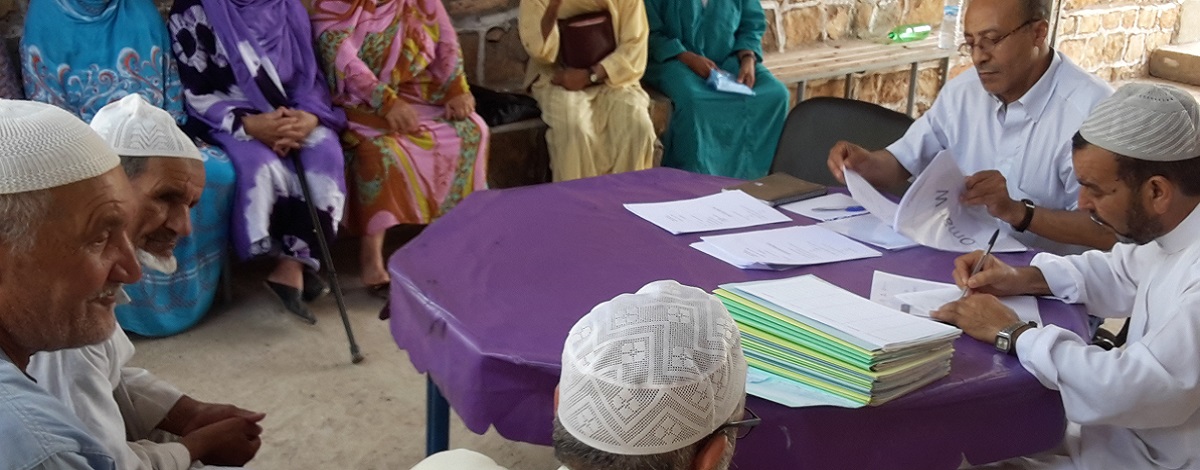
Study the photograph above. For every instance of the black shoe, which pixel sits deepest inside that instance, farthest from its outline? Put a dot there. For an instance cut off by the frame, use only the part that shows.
(290, 298)
(315, 286)
(380, 291)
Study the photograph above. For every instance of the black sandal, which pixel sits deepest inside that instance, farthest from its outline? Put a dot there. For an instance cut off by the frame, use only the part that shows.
(315, 286)
(291, 299)
(381, 290)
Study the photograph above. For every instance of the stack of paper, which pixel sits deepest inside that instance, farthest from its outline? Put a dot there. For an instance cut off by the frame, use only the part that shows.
(783, 248)
(817, 336)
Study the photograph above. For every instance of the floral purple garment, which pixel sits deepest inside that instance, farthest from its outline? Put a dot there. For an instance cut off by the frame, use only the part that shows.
(245, 57)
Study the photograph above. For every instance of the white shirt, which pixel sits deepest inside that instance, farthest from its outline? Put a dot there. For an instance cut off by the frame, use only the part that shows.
(1136, 407)
(114, 402)
(1028, 141)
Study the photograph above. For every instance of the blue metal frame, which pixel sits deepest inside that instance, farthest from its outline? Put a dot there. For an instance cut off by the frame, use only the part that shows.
(437, 419)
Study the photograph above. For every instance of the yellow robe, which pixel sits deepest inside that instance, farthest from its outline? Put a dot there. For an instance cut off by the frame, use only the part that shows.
(601, 129)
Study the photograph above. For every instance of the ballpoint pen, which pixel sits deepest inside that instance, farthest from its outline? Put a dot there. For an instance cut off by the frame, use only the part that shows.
(979, 262)
(840, 209)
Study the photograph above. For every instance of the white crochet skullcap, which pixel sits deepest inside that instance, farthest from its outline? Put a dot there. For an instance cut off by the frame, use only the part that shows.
(135, 128)
(1147, 122)
(42, 147)
(651, 372)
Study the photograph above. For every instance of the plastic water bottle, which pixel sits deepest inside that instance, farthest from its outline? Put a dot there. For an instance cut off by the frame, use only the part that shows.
(910, 32)
(948, 38)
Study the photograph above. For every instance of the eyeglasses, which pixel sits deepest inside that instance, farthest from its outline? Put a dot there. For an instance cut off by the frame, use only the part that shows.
(744, 426)
(986, 44)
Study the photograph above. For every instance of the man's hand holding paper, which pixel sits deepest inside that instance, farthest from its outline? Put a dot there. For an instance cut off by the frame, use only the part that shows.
(989, 188)
(980, 316)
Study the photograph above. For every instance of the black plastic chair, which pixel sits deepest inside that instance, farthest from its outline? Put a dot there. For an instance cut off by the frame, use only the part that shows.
(816, 124)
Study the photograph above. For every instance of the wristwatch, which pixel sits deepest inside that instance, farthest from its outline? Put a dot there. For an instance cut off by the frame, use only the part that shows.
(593, 77)
(1024, 225)
(1004, 339)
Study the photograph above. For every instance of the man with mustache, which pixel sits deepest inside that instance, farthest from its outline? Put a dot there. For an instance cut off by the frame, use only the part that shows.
(1008, 122)
(114, 401)
(1138, 160)
(65, 209)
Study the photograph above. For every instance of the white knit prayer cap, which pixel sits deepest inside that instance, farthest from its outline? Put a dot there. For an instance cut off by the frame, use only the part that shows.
(1147, 122)
(651, 372)
(42, 147)
(135, 128)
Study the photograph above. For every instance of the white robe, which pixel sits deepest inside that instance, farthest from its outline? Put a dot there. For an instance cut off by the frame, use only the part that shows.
(1135, 407)
(120, 406)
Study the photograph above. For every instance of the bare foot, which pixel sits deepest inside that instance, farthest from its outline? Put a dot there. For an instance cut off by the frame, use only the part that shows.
(370, 259)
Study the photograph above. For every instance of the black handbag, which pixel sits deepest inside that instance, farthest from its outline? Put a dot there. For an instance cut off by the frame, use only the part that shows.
(497, 108)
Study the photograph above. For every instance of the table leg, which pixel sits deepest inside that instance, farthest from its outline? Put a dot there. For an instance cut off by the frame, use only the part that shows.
(437, 419)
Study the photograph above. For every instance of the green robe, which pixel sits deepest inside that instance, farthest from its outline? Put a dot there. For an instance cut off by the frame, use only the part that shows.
(714, 132)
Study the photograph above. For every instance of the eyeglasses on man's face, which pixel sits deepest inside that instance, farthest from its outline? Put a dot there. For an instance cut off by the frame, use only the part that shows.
(743, 426)
(987, 44)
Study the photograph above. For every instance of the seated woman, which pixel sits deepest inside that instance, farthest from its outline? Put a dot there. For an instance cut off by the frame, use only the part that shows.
(81, 55)
(714, 132)
(251, 78)
(414, 146)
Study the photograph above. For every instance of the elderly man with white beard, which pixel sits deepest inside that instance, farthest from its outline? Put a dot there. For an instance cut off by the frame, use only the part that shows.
(116, 402)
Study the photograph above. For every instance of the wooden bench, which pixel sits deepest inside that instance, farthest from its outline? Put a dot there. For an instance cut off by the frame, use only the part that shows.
(855, 57)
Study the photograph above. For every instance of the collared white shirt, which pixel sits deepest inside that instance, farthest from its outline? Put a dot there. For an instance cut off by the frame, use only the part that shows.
(1028, 140)
(1136, 407)
(113, 401)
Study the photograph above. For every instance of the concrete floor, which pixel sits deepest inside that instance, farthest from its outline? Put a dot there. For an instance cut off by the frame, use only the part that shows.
(322, 411)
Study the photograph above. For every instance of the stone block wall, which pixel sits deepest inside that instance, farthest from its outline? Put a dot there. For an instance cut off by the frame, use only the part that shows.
(1112, 38)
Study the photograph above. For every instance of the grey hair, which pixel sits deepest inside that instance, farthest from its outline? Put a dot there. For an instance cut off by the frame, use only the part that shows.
(579, 456)
(18, 212)
(1037, 9)
(133, 166)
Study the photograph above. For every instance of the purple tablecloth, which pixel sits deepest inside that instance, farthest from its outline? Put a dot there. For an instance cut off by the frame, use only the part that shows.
(482, 300)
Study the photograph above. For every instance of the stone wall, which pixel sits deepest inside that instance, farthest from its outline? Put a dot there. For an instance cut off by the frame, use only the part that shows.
(1110, 38)
(1113, 39)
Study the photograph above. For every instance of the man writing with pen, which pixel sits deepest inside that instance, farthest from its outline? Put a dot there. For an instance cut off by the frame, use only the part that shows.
(1137, 158)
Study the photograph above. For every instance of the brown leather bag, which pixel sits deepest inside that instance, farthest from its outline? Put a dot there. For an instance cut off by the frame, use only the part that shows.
(584, 40)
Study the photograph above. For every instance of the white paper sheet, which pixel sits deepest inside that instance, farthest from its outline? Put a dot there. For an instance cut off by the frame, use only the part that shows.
(921, 303)
(793, 246)
(886, 286)
(720, 211)
(920, 296)
(791, 394)
(708, 249)
(931, 212)
(870, 198)
(834, 200)
(847, 316)
(870, 230)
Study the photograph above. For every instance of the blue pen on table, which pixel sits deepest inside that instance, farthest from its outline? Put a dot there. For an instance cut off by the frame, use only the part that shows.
(840, 209)
(979, 262)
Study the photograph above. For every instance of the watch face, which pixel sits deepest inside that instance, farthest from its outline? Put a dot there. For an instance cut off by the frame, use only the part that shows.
(1002, 343)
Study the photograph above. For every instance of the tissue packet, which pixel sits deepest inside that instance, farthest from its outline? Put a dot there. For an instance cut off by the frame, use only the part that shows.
(723, 81)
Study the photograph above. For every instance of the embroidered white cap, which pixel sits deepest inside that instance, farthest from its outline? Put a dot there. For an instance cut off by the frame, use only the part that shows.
(42, 147)
(651, 372)
(1147, 122)
(135, 128)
